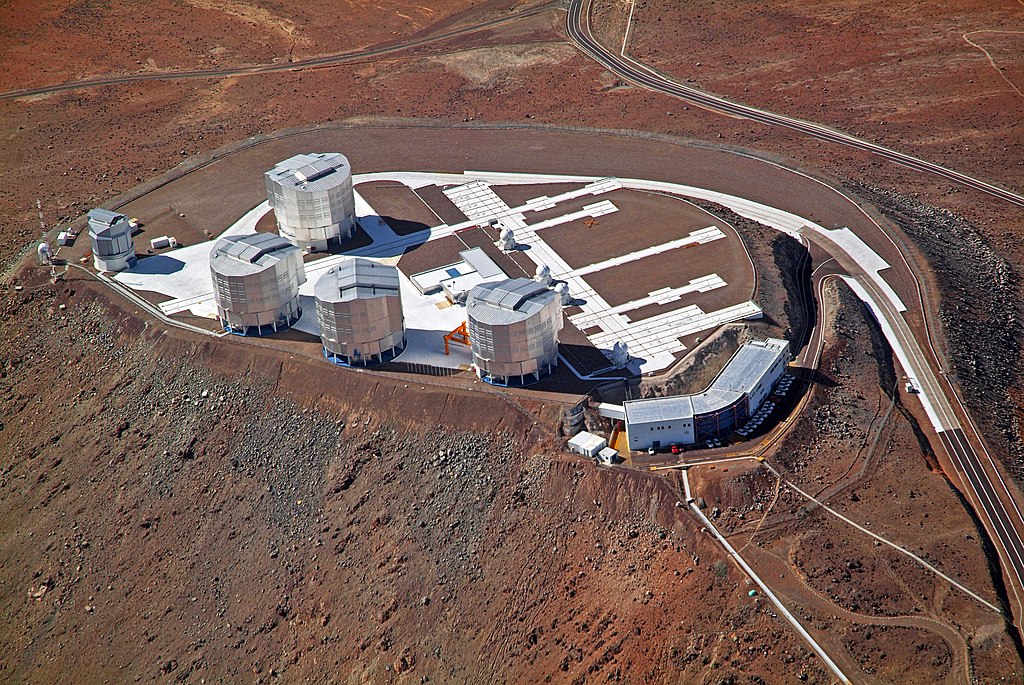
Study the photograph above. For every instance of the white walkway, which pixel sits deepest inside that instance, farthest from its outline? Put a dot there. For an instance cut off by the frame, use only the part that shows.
(652, 342)
(699, 237)
(184, 273)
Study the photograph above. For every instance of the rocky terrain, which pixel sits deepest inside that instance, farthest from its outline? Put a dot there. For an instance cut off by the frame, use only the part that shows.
(179, 509)
(981, 312)
(175, 509)
(858, 450)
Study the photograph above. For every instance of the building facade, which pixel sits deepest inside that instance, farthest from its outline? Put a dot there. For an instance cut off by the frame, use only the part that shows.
(313, 199)
(112, 246)
(513, 330)
(731, 399)
(359, 310)
(256, 281)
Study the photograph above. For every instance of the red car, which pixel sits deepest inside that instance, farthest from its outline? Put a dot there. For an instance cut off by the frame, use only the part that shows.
(675, 448)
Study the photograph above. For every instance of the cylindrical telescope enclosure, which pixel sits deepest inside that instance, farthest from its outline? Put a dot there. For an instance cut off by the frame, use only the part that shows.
(256, 281)
(513, 330)
(111, 237)
(313, 199)
(359, 310)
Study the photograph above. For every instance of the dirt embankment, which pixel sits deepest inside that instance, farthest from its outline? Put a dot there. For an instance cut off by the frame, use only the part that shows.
(855, 449)
(783, 269)
(174, 508)
(981, 310)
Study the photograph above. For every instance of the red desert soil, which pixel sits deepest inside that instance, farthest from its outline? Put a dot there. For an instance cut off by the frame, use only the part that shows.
(238, 516)
(855, 449)
(298, 522)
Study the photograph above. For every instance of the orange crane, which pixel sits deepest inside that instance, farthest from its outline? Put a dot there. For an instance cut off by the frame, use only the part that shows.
(460, 335)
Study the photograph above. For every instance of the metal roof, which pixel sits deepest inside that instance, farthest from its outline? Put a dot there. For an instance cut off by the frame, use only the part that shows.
(659, 409)
(481, 262)
(312, 172)
(248, 254)
(509, 301)
(739, 377)
(103, 222)
(587, 441)
(747, 366)
(357, 278)
(713, 399)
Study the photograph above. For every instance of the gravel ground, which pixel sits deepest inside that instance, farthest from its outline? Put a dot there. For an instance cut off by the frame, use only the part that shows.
(981, 312)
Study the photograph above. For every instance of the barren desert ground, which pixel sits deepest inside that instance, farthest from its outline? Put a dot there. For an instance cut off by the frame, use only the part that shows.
(182, 508)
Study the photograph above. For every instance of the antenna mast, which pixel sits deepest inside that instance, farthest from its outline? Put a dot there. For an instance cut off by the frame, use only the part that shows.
(44, 245)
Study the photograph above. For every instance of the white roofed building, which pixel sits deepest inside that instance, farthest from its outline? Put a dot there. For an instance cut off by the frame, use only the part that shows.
(734, 395)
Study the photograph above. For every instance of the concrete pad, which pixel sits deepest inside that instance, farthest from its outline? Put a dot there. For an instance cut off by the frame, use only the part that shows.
(704, 235)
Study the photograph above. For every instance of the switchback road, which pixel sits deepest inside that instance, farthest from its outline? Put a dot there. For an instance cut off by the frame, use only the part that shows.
(986, 488)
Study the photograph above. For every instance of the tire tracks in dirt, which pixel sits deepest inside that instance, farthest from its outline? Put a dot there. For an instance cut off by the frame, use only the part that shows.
(961, 668)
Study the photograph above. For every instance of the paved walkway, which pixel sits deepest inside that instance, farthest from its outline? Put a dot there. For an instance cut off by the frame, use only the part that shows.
(652, 342)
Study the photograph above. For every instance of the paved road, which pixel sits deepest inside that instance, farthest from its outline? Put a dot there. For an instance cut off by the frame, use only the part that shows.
(985, 487)
(1004, 523)
(325, 61)
(1002, 519)
(578, 26)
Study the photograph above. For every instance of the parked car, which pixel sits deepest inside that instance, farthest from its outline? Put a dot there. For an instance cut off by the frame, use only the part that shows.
(675, 448)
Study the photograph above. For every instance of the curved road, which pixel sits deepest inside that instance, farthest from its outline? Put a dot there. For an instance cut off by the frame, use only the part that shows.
(989, 495)
(325, 61)
(578, 27)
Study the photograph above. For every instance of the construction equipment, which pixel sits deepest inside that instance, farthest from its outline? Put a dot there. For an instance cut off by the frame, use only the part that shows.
(590, 223)
(460, 335)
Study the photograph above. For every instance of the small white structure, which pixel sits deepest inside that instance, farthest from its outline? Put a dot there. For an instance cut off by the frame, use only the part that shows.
(112, 245)
(507, 240)
(513, 331)
(543, 275)
(256, 281)
(162, 242)
(611, 411)
(620, 355)
(734, 395)
(587, 444)
(563, 294)
(607, 456)
(313, 199)
(359, 309)
(456, 280)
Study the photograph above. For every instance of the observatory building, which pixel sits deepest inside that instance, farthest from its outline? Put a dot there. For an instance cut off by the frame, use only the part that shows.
(112, 245)
(731, 399)
(256, 281)
(513, 330)
(359, 309)
(313, 199)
